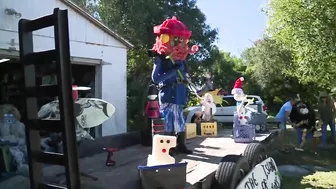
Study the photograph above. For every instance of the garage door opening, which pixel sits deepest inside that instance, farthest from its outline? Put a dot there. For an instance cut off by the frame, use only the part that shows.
(84, 75)
(12, 84)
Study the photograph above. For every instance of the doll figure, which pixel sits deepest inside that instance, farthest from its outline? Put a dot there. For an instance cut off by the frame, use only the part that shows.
(208, 107)
(152, 108)
(13, 132)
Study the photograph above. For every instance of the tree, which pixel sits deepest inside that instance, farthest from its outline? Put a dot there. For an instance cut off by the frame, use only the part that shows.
(134, 20)
(268, 65)
(308, 29)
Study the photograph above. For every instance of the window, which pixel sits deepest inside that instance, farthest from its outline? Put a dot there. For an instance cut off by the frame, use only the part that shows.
(229, 101)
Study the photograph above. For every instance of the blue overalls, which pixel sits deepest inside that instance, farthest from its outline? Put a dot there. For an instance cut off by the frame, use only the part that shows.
(172, 94)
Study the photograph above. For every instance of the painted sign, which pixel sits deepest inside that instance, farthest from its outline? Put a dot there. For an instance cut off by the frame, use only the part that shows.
(263, 176)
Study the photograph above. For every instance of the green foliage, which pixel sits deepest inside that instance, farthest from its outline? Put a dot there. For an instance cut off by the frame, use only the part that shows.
(308, 29)
(270, 68)
(134, 20)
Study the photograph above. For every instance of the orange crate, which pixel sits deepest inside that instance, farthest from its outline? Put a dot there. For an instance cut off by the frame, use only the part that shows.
(209, 129)
(190, 130)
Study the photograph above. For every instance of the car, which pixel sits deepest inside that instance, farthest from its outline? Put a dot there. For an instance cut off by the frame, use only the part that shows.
(225, 111)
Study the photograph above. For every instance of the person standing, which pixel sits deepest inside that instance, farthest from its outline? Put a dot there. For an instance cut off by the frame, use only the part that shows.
(326, 111)
(283, 117)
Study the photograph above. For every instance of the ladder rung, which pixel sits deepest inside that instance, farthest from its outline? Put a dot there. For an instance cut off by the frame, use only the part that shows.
(45, 125)
(50, 186)
(41, 57)
(40, 23)
(44, 90)
(49, 158)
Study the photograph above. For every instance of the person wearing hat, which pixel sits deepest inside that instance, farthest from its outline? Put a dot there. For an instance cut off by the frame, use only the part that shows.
(283, 117)
(326, 111)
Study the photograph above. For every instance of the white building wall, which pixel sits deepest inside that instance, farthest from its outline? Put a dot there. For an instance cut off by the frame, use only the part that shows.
(86, 40)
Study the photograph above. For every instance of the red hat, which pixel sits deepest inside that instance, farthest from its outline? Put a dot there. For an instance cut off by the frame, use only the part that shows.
(238, 86)
(173, 27)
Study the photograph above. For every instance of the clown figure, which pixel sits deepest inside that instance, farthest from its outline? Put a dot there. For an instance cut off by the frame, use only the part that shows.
(170, 72)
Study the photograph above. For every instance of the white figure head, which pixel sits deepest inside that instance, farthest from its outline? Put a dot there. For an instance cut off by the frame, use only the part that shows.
(151, 97)
(208, 98)
(239, 95)
(237, 91)
(162, 144)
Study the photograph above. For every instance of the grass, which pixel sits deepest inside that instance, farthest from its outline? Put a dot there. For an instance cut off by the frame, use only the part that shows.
(317, 180)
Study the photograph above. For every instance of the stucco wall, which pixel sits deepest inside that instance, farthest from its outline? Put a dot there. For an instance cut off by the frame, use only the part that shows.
(86, 40)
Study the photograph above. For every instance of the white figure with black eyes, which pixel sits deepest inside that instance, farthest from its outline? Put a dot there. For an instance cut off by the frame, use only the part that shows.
(160, 151)
(208, 107)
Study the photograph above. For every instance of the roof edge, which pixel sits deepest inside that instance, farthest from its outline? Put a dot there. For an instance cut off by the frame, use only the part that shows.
(97, 23)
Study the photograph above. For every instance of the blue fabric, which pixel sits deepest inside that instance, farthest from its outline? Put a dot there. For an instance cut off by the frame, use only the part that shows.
(281, 116)
(166, 76)
(282, 125)
(325, 132)
(173, 116)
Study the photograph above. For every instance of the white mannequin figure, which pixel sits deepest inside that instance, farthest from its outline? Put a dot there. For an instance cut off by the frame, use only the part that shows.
(160, 151)
(208, 107)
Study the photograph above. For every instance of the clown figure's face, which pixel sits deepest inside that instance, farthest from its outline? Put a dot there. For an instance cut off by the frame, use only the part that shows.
(239, 96)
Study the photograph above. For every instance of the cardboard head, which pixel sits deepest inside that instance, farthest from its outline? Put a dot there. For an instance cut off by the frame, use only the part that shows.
(162, 144)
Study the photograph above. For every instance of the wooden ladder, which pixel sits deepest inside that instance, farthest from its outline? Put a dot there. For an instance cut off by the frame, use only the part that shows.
(63, 90)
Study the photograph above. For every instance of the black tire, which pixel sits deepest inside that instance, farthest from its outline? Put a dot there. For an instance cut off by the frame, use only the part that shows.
(255, 153)
(263, 127)
(231, 170)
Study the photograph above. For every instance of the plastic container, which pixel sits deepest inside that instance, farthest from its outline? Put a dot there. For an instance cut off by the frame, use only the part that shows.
(244, 134)
(209, 129)
(172, 176)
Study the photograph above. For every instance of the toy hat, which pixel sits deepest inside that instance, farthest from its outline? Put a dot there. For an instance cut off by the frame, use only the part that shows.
(173, 27)
(152, 90)
(238, 86)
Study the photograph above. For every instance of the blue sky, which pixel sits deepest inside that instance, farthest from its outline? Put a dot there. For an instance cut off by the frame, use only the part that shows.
(239, 22)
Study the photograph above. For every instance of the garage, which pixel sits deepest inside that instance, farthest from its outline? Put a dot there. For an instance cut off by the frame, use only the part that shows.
(98, 57)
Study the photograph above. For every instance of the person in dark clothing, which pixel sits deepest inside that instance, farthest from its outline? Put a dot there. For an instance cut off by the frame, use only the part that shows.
(304, 119)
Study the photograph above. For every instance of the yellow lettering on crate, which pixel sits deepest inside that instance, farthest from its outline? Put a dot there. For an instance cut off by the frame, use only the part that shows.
(209, 129)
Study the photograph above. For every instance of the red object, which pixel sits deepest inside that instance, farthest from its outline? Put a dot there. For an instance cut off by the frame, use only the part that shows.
(264, 108)
(152, 109)
(109, 161)
(164, 150)
(74, 93)
(239, 83)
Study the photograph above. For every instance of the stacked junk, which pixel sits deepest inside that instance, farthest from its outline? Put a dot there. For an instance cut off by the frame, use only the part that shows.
(89, 113)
